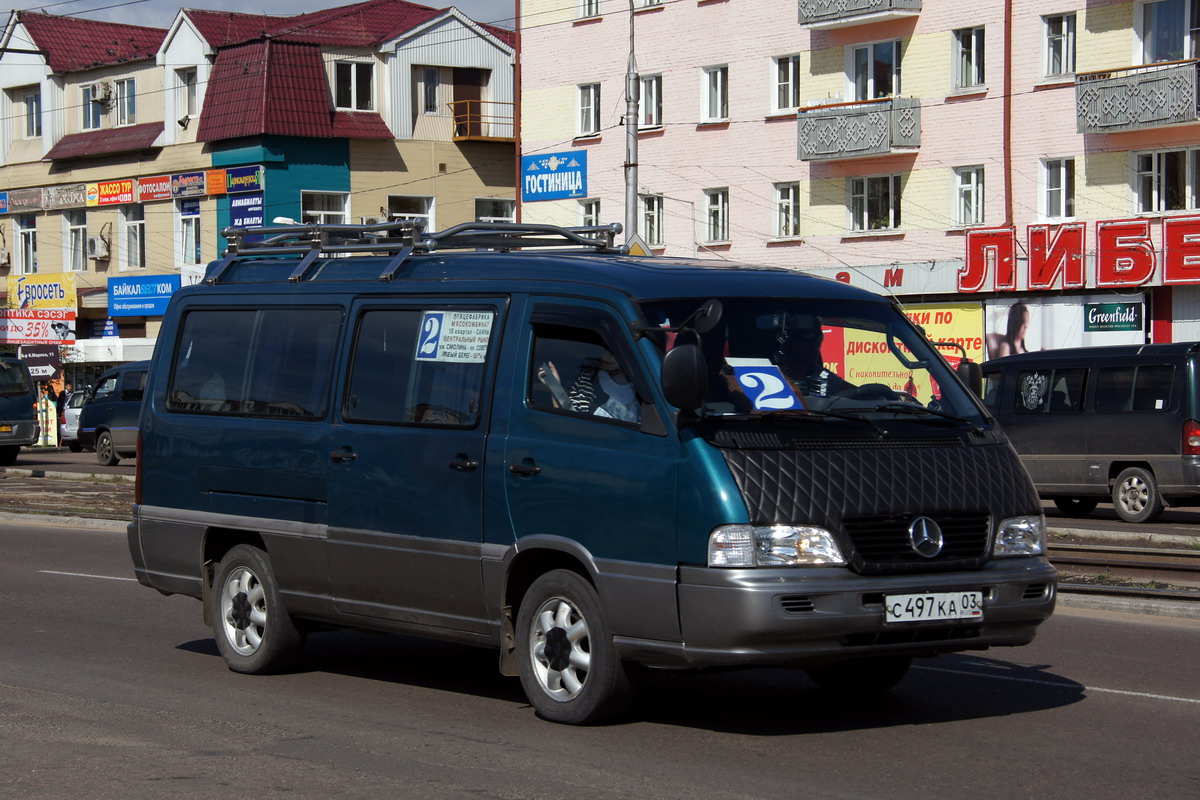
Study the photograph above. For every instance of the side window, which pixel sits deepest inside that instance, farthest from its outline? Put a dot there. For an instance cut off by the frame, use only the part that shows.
(105, 388)
(133, 385)
(268, 362)
(1152, 389)
(991, 391)
(1114, 388)
(419, 367)
(576, 372)
(1066, 391)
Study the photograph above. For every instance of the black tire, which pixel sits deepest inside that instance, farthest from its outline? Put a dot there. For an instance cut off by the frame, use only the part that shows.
(106, 451)
(254, 632)
(861, 676)
(1076, 506)
(568, 664)
(8, 456)
(1135, 496)
(74, 446)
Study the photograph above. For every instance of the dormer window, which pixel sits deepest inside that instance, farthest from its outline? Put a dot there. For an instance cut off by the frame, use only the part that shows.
(353, 89)
(32, 101)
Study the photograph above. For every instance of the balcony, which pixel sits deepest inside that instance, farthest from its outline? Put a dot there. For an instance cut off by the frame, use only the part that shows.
(826, 14)
(482, 121)
(1137, 98)
(860, 130)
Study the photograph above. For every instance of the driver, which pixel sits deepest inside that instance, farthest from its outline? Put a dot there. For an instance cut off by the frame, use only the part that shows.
(798, 356)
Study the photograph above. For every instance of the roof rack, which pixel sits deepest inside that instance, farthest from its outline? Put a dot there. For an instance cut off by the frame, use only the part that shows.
(401, 238)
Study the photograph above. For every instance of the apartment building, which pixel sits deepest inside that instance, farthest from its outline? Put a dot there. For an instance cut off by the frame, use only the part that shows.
(126, 150)
(1020, 174)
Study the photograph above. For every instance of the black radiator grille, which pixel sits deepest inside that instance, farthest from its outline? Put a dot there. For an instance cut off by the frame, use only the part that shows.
(881, 544)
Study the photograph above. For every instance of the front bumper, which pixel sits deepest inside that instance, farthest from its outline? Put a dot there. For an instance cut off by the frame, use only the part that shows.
(804, 617)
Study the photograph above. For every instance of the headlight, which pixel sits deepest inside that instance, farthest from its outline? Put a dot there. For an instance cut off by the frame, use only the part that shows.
(1021, 536)
(772, 546)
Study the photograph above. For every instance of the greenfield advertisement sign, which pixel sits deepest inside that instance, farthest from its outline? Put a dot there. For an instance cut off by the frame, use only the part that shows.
(1113, 317)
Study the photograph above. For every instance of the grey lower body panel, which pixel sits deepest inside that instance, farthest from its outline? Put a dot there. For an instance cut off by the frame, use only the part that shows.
(23, 432)
(807, 617)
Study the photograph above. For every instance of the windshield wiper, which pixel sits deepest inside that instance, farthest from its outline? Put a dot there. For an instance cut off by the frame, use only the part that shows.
(908, 408)
(803, 414)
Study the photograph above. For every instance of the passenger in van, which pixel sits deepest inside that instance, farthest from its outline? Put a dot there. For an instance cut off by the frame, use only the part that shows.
(601, 389)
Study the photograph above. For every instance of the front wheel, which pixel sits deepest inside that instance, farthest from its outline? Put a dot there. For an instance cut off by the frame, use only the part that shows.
(1135, 496)
(254, 632)
(106, 451)
(565, 654)
(861, 675)
(1076, 506)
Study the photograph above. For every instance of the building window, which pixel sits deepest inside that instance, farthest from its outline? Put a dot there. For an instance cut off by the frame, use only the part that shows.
(968, 196)
(716, 215)
(133, 237)
(352, 85)
(189, 231)
(32, 101)
(1060, 44)
(589, 109)
(650, 105)
(787, 210)
(716, 94)
(488, 209)
(589, 8)
(126, 102)
(95, 95)
(27, 254)
(787, 83)
(430, 79)
(1167, 181)
(1059, 180)
(415, 208)
(324, 208)
(648, 3)
(589, 212)
(75, 257)
(1169, 30)
(186, 79)
(652, 219)
(875, 203)
(875, 70)
(968, 63)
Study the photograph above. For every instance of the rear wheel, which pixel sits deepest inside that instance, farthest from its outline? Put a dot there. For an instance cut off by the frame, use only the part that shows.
(8, 456)
(861, 675)
(568, 664)
(1135, 496)
(1076, 506)
(254, 632)
(106, 451)
(74, 446)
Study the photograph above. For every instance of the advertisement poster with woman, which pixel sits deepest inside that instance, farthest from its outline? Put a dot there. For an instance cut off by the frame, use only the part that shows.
(1051, 323)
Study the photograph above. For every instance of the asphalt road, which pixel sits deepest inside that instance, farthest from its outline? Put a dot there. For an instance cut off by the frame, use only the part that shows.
(108, 689)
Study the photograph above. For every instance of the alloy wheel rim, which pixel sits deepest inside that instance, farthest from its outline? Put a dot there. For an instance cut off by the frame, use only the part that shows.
(560, 647)
(244, 611)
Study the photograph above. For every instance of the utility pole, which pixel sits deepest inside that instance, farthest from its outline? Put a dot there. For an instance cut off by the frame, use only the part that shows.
(632, 90)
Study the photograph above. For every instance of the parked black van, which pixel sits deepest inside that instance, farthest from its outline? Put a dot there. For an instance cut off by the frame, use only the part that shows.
(18, 422)
(1098, 423)
(109, 420)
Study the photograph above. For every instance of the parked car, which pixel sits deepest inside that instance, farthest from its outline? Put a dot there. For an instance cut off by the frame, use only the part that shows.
(18, 422)
(1093, 424)
(68, 421)
(582, 458)
(108, 422)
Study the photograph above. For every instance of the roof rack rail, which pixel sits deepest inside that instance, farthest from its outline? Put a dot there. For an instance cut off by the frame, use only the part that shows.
(401, 238)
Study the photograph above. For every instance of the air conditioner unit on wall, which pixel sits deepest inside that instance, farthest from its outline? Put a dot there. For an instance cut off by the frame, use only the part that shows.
(370, 220)
(97, 248)
(101, 92)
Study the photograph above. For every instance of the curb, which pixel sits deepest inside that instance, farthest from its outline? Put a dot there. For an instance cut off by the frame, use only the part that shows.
(22, 472)
(108, 525)
(1132, 605)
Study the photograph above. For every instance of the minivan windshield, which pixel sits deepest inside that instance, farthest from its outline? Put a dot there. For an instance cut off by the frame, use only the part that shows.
(14, 379)
(774, 358)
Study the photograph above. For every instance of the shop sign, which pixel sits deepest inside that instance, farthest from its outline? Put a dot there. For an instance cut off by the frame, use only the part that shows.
(156, 188)
(20, 200)
(110, 193)
(554, 176)
(56, 290)
(1113, 317)
(71, 196)
(3, 202)
(37, 326)
(246, 211)
(1125, 256)
(143, 296)
(187, 184)
(103, 327)
(244, 179)
(44, 360)
(1050, 323)
(214, 181)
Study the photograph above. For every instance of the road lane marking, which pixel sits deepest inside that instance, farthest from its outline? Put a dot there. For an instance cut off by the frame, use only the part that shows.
(1062, 685)
(84, 575)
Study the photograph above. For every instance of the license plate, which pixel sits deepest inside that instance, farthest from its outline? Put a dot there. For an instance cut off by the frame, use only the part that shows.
(5, 428)
(933, 606)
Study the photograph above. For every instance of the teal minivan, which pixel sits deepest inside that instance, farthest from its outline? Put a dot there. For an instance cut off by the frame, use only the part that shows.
(18, 421)
(524, 438)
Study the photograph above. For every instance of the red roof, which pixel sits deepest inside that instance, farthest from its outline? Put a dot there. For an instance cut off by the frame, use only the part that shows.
(105, 142)
(360, 125)
(73, 44)
(359, 25)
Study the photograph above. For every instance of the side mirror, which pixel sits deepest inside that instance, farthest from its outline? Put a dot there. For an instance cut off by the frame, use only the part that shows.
(684, 376)
(971, 374)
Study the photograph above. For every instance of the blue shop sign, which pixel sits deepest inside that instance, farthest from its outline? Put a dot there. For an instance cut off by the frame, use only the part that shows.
(554, 176)
(144, 296)
(244, 179)
(3, 202)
